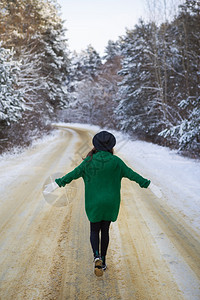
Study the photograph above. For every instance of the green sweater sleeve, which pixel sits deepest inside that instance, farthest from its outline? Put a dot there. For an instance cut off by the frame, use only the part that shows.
(75, 174)
(130, 174)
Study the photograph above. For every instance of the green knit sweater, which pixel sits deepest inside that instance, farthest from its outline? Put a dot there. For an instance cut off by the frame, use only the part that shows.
(102, 177)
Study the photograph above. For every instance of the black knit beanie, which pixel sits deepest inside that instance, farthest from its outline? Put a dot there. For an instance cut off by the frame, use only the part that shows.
(104, 141)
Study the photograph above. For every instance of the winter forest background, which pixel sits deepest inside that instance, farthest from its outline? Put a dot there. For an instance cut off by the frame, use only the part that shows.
(146, 85)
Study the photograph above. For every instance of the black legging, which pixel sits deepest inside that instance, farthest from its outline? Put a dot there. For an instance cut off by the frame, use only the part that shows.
(95, 228)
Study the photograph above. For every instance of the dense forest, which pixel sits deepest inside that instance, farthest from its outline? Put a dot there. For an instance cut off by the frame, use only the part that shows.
(147, 83)
(34, 67)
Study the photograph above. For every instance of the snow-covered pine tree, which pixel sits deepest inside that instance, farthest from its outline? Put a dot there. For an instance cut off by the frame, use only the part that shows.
(35, 30)
(139, 109)
(91, 62)
(186, 29)
(54, 66)
(112, 50)
(85, 64)
(187, 132)
(93, 87)
(11, 97)
(34, 27)
(83, 73)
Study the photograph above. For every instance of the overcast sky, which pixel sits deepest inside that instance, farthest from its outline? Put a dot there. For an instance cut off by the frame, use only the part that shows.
(97, 21)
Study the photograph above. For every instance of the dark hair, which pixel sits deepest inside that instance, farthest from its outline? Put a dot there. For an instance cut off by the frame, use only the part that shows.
(94, 150)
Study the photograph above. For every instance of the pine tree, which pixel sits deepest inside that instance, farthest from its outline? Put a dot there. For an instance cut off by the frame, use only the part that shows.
(91, 62)
(35, 31)
(93, 87)
(186, 130)
(112, 50)
(54, 66)
(140, 109)
(83, 72)
(11, 98)
(34, 27)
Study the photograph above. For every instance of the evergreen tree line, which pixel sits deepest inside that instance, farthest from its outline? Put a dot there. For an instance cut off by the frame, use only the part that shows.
(93, 85)
(159, 96)
(34, 61)
(148, 85)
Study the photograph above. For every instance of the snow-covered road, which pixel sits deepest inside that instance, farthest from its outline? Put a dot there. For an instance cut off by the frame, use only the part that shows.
(154, 250)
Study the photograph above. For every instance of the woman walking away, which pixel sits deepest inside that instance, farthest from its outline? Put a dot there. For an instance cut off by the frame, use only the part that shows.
(102, 173)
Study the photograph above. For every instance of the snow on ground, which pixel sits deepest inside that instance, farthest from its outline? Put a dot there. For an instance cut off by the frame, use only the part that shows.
(13, 163)
(176, 178)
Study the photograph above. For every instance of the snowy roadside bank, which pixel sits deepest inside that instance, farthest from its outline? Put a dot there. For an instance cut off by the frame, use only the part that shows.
(13, 163)
(176, 177)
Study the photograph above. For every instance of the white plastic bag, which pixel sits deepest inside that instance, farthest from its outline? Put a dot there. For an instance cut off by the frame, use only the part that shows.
(49, 188)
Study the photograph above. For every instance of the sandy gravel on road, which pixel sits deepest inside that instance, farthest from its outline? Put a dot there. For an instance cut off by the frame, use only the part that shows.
(45, 251)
